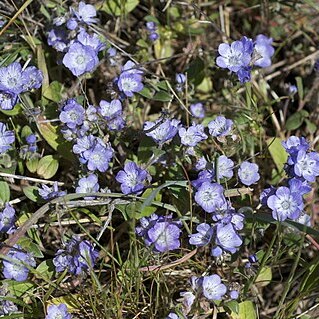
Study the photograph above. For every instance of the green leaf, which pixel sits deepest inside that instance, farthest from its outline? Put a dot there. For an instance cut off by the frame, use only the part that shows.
(28, 245)
(232, 306)
(32, 164)
(162, 96)
(119, 7)
(246, 311)
(31, 192)
(48, 166)
(45, 270)
(146, 92)
(18, 289)
(300, 87)
(277, 152)
(53, 92)
(195, 72)
(265, 276)
(295, 120)
(4, 192)
(310, 280)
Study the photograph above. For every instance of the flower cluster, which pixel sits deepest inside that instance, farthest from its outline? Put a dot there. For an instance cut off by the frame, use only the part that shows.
(152, 28)
(241, 55)
(160, 232)
(17, 265)
(77, 257)
(302, 168)
(14, 81)
(81, 48)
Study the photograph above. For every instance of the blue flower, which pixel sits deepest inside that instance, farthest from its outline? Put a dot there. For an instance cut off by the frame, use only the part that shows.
(210, 196)
(264, 49)
(248, 173)
(6, 138)
(203, 237)
(132, 178)
(34, 78)
(220, 126)
(86, 13)
(92, 41)
(8, 100)
(110, 110)
(204, 176)
(163, 132)
(234, 56)
(88, 185)
(285, 204)
(72, 114)
(130, 83)
(213, 288)
(59, 311)
(47, 192)
(12, 78)
(193, 135)
(16, 268)
(80, 59)
(58, 39)
(225, 167)
(307, 165)
(197, 110)
(7, 219)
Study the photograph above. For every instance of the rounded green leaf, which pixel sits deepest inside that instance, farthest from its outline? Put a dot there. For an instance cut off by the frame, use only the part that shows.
(4, 192)
(47, 166)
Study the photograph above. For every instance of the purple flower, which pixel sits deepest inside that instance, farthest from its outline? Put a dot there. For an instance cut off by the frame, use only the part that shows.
(12, 78)
(116, 124)
(8, 100)
(295, 144)
(80, 59)
(201, 164)
(86, 13)
(265, 194)
(153, 36)
(92, 41)
(161, 232)
(180, 78)
(84, 144)
(34, 78)
(213, 289)
(193, 135)
(244, 74)
(164, 235)
(88, 185)
(173, 315)
(234, 294)
(7, 219)
(6, 138)
(132, 178)
(220, 126)
(263, 47)
(204, 176)
(285, 204)
(234, 56)
(78, 256)
(210, 196)
(227, 238)
(72, 114)
(297, 185)
(248, 173)
(72, 24)
(110, 110)
(15, 267)
(99, 156)
(57, 38)
(59, 311)
(7, 307)
(163, 132)
(203, 237)
(225, 167)
(307, 165)
(151, 26)
(130, 83)
(47, 192)
(197, 110)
